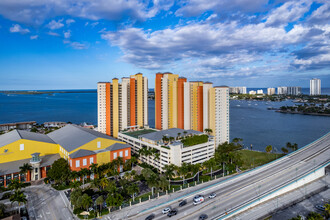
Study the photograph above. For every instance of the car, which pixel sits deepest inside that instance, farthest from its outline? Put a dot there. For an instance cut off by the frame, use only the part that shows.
(203, 216)
(172, 212)
(182, 203)
(320, 207)
(166, 210)
(150, 217)
(212, 195)
(198, 199)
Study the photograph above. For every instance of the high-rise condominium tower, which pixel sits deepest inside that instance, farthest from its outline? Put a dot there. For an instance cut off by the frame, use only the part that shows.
(315, 87)
(122, 105)
(190, 105)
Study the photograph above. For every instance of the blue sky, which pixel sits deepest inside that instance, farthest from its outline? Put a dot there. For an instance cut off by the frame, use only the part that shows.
(73, 44)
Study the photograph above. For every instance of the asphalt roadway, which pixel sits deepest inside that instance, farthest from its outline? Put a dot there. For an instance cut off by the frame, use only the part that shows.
(233, 193)
(47, 203)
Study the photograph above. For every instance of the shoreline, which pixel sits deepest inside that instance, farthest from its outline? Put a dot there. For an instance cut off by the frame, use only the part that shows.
(303, 113)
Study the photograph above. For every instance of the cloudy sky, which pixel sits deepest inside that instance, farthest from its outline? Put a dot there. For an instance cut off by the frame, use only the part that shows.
(73, 44)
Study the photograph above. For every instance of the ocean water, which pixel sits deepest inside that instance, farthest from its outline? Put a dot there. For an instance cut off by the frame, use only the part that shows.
(249, 120)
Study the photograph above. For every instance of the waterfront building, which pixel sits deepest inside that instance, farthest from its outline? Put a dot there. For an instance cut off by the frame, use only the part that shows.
(17, 125)
(122, 105)
(315, 87)
(170, 146)
(282, 90)
(252, 92)
(187, 105)
(80, 146)
(260, 92)
(293, 90)
(270, 91)
(237, 90)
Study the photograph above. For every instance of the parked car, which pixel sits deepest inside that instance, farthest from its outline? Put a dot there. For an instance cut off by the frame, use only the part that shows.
(172, 212)
(320, 207)
(182, 203)
(212, 195)
(166, 210)
(150, 217)
(203, 216)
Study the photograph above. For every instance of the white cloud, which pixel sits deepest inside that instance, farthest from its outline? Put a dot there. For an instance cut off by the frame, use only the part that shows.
(94, 24)
(53, 34)
(16, 28)
(69, 21)
(67, 34)
(289, 12)
(78, 46)
(34, 37)
(53, 25)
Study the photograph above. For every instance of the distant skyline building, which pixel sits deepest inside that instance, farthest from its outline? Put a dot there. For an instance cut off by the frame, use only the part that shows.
(289, 90)
(270, 91)
(252, 92)
(237, 90)
(190, 105)
(260, 92)
(315, 87)
(122, 105)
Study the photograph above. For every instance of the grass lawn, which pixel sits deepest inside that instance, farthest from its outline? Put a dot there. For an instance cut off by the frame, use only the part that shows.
(253, 159)
(136, 134)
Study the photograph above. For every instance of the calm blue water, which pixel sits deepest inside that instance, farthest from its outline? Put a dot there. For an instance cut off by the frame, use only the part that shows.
(248, 120)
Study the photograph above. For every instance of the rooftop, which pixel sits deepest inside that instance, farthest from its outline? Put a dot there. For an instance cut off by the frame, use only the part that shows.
(16, 135)
(136, 134)
(173, 132)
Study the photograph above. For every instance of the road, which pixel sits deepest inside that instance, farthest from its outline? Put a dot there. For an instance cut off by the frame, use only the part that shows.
(249, 186)
(46, 203)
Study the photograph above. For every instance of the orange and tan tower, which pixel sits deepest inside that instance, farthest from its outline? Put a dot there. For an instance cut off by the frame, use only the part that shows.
(191, 105)
(122, 105)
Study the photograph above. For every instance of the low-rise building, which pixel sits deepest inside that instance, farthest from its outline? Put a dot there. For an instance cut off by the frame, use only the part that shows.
(80, 146)
(54, 124)
(252, 92)
(260, 92)
(17, 125)
(171, 146)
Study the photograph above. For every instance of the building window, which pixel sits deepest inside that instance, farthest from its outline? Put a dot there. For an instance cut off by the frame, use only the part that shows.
(77, 163)
(21, 146)
(36, 170)
(126, 153)
(99, 144)
(121, 154)
(84, 162)
(114, 155)
(70, 163)
(91, 160)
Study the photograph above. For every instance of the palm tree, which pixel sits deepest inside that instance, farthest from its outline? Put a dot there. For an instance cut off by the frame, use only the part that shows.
(19, 197)
(111, 187)
(208, 131)
(94, 168)
(74, 185)
(99, 201)
(82, 173)
(114, 200)
(288, 145)
(163, 183)
(104, 182)
(269, 148)
(74, 175)
(169, 171)
(132, 189)
(86, 201)
(171, 139)
(179, 134)
(295, 146)
(284, 150)
(15, 185)
(25, 169)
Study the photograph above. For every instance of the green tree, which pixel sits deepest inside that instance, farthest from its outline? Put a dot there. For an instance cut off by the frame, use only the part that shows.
(169, 171)
(86, 201)
(99, 201)
(94, 168)
(163, 183)
(25, 169)
(314, 216)
(60, 171)
(269, 148)
(327, 209)
(132, 189)
(104, 182)
(114, 200)
(111, 187)
(284, 150)
(295, 147)
(19, 197)
(75, 195)
(2, 210)
(15, 184)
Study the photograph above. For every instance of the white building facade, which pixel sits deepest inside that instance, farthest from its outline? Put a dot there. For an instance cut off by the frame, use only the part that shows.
(315, 87)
